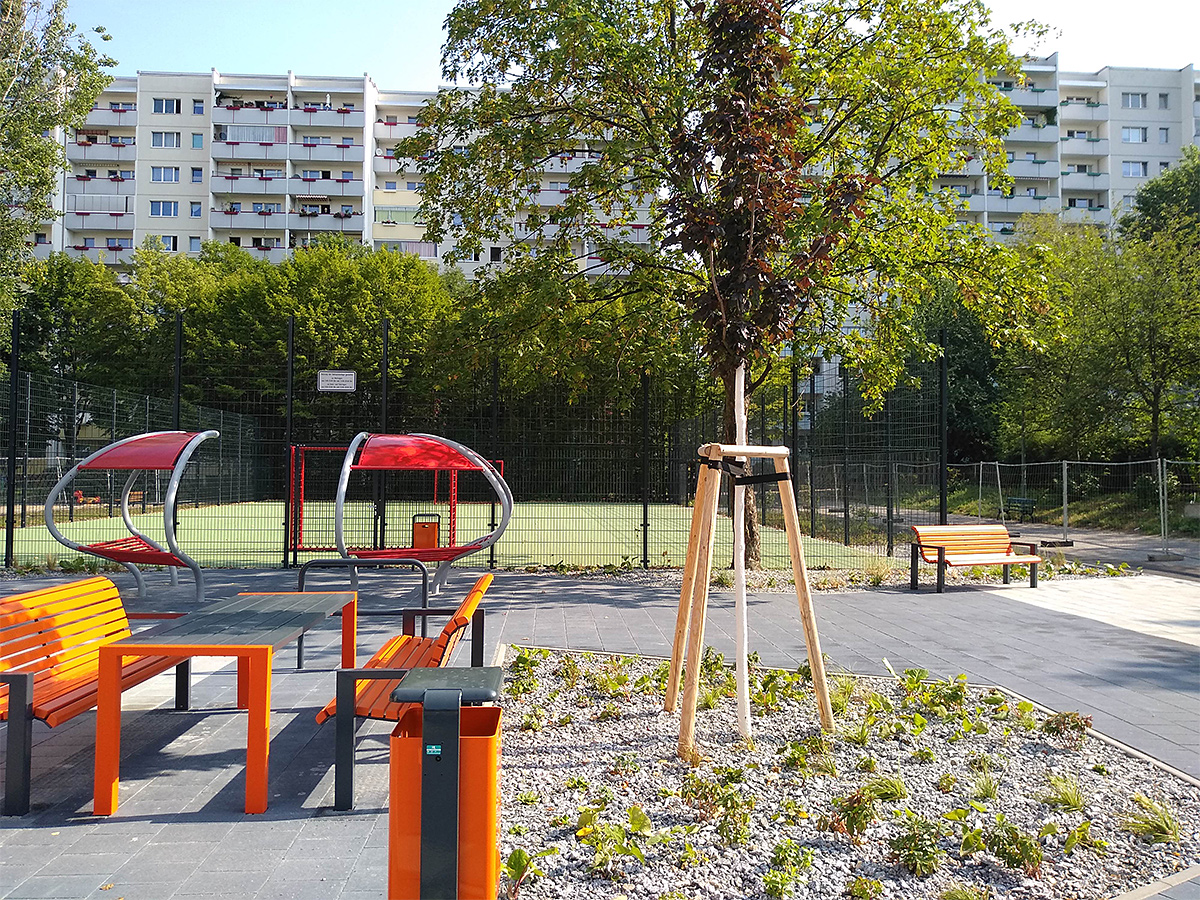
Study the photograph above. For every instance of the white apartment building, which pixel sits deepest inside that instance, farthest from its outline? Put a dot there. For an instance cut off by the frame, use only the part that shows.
(268, 162)
(1087, 142)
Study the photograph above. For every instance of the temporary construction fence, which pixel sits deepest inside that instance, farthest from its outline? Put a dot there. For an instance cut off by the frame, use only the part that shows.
(1158, 497)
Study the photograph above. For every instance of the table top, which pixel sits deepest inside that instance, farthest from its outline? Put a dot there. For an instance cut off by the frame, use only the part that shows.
(273, 620)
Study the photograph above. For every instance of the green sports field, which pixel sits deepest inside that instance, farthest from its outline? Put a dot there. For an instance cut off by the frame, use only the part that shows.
(571, 534)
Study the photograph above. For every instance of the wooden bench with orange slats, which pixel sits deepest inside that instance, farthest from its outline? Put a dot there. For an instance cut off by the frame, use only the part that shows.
(968, 545)
(371, 686)
(50, 642)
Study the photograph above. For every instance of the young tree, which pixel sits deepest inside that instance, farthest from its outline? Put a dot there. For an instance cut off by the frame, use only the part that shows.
(1170, 198)
(781, 162)
(49, 78)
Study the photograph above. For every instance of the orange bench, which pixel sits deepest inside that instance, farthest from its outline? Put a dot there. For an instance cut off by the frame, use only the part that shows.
(50, 642)
(370, 687)
(968, 545)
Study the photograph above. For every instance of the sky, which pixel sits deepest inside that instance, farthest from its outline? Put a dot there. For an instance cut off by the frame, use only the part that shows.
(399, 41)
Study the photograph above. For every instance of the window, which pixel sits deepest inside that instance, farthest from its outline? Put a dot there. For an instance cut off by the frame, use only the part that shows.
(117, 243)
(127, 174)
(40, 238)
(415, 185)
(169, 241)
(1133, 101)
(164, 139)
(235, 207)
(1164, 101)
(123, 105)
(164, 173)
(267, 207)
(1081, 168)
(1132, 168)
(317, 139)
(310, 174)
(236, 241)
(1133, 135)
(494, 254)
(196, 210)
(194, 244)
(1164, 135)
(167, 105)
(1078, 134)
(346, 176)
(389, 185)
(1163, 166)
(198, 107)
(197, 141)
(412, 120)
(89, 242)
(197, 175)
(389, 120)
(309, 209)
(89, 173)
(164, 208)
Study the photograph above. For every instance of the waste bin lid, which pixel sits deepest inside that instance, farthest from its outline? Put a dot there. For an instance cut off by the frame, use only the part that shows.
(478, 685)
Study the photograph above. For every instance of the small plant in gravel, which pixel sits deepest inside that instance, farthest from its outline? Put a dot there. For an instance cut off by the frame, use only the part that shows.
(851, 815)
(860, 734)
(1068, 727)
(562, 820)
(569, 671)
(721, 578)
(518, 830)
(1013, 847)
(980, 762)
(960, 891)
(1100, 769)
(985, 786)
(533, 720)
(924, 755)
(611, 840)
(608, 713)
(528, 798)
(1155, 822)
(575, 783)
(625, 764)
(788, 861)
(886, 787)
(521, 866)
(1081, 836)
(840, 693)
(946, 782)
(864, 888)
(791, 812)
(915, 845)
(523, 681)
(867, 763)
(1063, 792)
(564, 720)
(1024, 718)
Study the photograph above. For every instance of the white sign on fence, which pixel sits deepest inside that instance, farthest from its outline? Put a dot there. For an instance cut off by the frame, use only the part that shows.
(339, 380)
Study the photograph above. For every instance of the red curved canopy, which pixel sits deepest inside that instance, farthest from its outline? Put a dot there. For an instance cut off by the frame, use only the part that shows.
(148, 451)
(409, 451)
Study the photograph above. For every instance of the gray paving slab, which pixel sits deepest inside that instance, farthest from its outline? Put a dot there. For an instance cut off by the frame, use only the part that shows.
(180, 831)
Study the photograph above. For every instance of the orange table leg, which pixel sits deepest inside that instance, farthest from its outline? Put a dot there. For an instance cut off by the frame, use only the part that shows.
(258, 738)
(350, 634)
(243, 701)
(108, 734)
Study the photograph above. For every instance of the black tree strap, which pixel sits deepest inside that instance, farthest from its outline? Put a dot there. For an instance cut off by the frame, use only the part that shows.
(741, 474)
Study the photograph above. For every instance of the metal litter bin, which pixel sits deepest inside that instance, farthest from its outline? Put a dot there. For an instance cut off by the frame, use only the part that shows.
(445, 849)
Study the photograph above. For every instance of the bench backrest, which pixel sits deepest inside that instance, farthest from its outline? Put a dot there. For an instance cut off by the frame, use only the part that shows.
(455, 628)
(961, 539)
(61, 627)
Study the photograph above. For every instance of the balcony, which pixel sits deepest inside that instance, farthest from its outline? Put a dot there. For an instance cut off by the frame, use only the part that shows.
(99, 221)
(42, 251)
(386, 165)
(270, 254)
(394, 231)
(110, 255)
(247, 184)
(1034, 134)
(1083, 112)
(247, 150)
(84, 153)
(1084, 146)
(967, 169)
(83, 185)
(1018, 205)
(327, 118)
(248, 115)
(389, 134)
(1084, 181)
(569, 163)
(1033, 97)
(325, 187)
(326, 222)
(1032, 168)
(326, 152)
(248, 220)
(1089, 216)
(1196, 108)
(106, 118)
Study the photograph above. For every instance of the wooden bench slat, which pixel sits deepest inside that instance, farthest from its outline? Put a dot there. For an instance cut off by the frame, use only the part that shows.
(63, 706)
(967, 545)
(110, 626)
(15, 615)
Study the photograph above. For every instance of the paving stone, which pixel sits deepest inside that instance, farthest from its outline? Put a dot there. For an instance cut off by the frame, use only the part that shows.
(67, 887)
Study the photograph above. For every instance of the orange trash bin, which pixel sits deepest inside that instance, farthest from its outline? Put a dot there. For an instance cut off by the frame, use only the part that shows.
(478, 805)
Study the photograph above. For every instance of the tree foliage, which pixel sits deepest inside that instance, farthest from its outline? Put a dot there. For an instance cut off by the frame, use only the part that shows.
(49, 78)
(1172, 198)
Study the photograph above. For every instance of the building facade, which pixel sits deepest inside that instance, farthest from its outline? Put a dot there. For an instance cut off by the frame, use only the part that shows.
(268, 162)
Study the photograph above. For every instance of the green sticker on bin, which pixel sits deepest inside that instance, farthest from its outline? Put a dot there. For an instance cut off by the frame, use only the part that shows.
(433, 749)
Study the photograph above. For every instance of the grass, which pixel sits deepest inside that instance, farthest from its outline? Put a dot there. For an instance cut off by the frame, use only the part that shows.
(1063, 792)
(1154, 823)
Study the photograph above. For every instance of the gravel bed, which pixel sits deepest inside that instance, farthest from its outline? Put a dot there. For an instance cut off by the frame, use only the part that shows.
(599, 739)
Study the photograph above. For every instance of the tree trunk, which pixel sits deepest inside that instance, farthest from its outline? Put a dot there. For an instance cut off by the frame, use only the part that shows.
(729, 436)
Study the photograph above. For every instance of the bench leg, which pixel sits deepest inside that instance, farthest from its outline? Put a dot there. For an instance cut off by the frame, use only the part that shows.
(477, 638)
(183, 685)
(20, 744)
(941, 570)
(912, 567)
(343, 759)
(1033, 574)
(258, 737)
(1005, 574)
(300, 651)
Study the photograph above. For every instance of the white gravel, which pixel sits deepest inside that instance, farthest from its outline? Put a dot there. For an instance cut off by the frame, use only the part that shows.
(603, 745)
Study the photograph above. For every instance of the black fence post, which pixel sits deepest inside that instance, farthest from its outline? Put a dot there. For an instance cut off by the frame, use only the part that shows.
(812, 449)
(762, 439)
(495, 446)
(845, 453)
(645, 470)
(794, 410)
(887, 460)
(25, 452)
(288, 452)
(380, 528)
(10, 494)
(175, 413)
(943, 433)
(384, 364)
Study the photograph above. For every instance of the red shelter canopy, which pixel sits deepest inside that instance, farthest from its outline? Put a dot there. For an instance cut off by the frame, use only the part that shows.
(410, 451)
(159, 450)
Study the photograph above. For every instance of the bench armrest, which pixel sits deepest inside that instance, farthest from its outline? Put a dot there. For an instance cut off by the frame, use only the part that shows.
(1032, 546)
(408, 615)
(409, 628)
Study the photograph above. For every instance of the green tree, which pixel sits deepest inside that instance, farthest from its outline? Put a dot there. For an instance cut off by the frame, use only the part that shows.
(835, 118)
(1169, 198)
(49, 78)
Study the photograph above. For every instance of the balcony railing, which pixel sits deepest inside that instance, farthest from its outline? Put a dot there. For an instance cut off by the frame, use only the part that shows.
(248, 150)
(248, 219)
(326, 222)
(220, 183)
(325, 187)
(389, 133)
(1084, 181)
(112, 256)
(42, 251)
(99, 221)
(1034, 134)
(100, 185)
(270, 254)
(1032, 168)
(1084, 146)
(1093, 215)
(83, 153)
(327, 118)
(1019, 205)
(101, 118)
(1033, 96)
(249, 115)
(1083, 112)
(326, 152)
